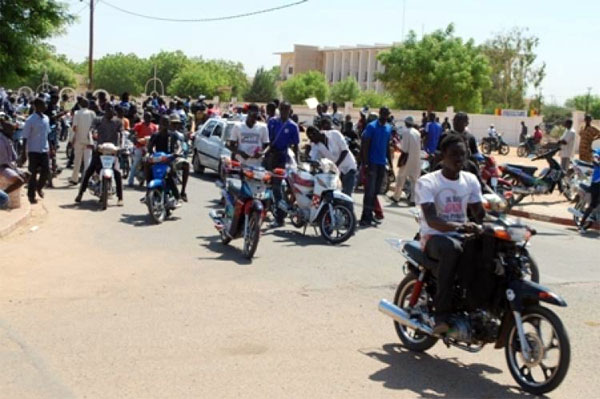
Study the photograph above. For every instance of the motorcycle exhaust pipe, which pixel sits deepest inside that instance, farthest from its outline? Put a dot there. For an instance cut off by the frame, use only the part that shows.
(402, 317)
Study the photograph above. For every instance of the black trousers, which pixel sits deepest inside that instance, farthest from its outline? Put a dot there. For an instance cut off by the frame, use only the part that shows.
(95, 166)
(37, 161)
(447, 251)
(375, 175)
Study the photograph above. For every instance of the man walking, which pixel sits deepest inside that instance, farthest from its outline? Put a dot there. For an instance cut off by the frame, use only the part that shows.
(434, 132)
(409, 163)
(376, 153)
(587, 135)
(568, 142)
(82, 144)
(36, 147)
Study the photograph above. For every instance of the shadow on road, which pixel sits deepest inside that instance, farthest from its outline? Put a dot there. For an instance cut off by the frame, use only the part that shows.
(432, 377)
(143, 219)
(88, 205)
(227, 253)
(296, 238)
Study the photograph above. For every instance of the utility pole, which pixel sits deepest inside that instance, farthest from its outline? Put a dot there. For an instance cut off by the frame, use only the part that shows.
(91, 49)
(587, 100)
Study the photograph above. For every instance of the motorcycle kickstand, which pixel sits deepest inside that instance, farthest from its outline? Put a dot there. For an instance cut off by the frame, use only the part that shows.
(304, 230)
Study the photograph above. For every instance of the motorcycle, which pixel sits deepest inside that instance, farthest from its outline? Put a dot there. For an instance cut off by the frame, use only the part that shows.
(579, 172)
(490, 175)
(494, 303)
(125, 154)
(160, 198)
(527, 148)
(524, 182)
(584, 198)
(244, 209)
(101, 183)
(314, 199)
(489, 144)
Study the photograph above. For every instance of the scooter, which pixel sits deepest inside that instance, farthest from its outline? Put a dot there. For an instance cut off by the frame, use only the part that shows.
(490, 144)
(101, 183)
(160, 191)
(316, 200)
(584, 198)
(244, 210)
(525, 183)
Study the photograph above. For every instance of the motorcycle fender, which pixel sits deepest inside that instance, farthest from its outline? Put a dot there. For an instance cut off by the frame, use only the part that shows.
(340, 196)
(252, 206)
(107, 173)
(156, 183)
(521, 293)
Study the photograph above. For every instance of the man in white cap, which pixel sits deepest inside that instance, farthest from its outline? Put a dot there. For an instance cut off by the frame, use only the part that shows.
(409, 163)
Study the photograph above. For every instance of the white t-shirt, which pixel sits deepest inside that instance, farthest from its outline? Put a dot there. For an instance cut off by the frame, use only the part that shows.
(449, 196)
(411, 144)
(250, 140)
(83, 120)
(336, 144)
(567, 150)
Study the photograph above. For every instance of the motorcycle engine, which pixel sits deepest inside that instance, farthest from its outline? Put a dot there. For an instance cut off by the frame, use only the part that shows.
(460, 329)
(485, 327)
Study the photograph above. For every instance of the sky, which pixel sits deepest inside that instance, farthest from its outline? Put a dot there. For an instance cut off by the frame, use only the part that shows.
(567, 31)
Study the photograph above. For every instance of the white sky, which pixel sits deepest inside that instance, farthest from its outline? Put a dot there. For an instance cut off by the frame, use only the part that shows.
(567, 31)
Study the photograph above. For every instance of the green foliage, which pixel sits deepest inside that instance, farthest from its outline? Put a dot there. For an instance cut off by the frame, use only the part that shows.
(168, 65)
(374, 100)
(579, 103)
(435, 72)
(511, 57)
(276, 72)
(117, 73)
(263, 87)
(24, 25)
(555, 115)
(305, 85)
(557, 131)
(345, 90)
(233, 75)
(58, 68)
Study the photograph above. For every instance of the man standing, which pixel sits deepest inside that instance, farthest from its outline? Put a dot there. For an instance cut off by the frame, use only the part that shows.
(376, 153)
(142, 130)
(587, 135)
(409, 163)
(434, 132)
(249, 139)
(568, 142)
(283, 134)
(523, 135)
(336, 116)
(108, 130)
(36, 147)
(82, 145)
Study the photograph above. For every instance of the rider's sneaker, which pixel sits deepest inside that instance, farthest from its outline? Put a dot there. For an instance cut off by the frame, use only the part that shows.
(143, 199)
(120, 202)
(178, 204)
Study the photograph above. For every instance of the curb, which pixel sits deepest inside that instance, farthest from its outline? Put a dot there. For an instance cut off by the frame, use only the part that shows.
(549, 219)
(4, 231)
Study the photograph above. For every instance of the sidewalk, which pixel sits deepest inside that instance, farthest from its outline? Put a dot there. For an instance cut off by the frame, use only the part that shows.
(13, 218)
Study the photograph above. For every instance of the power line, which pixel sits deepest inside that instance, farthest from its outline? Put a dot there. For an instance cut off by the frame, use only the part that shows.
(248, 14)
(85, 7)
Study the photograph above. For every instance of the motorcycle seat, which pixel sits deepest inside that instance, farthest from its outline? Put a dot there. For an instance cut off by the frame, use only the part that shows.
(530, 170)
(584, 164)
(413, 250)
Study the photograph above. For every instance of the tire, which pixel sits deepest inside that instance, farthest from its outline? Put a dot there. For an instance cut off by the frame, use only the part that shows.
(521, 151)
(580, 206)
(225, 239)
(559, 334)
(504, 149)
(196, 164)
(251, 241)
(532, 268)
(156, 205)
(341, 211)
(418, 342)
(125, 170)
(104, 194)
(569, 191)
(486, 148)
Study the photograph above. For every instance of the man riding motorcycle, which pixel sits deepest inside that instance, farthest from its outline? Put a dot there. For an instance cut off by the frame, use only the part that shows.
(180, 164)
(492, 134)
(249, 140)
(444, 196)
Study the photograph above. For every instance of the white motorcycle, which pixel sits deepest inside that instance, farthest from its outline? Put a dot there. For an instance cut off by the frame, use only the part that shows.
(312, 198)
(101, 183)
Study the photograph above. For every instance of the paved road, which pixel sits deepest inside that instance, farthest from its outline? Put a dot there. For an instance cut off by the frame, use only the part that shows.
(103, 305)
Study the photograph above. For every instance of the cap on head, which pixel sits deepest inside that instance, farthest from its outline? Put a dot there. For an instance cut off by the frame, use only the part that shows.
(409, 120)
(174, 118)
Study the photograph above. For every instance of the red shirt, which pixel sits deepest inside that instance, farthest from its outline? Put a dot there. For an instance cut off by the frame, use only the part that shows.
(537, 136)
(143, 131)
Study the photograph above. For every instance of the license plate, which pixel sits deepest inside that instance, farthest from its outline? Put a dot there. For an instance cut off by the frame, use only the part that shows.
(107, 161)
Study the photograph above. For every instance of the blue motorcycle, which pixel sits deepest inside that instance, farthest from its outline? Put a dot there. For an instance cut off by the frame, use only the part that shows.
(160, 193)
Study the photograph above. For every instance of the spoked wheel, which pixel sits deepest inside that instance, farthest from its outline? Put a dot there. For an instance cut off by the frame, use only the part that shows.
(486, 148)
(338, 223)
(580, 207)
(569, 186)
(251, 240)
(546, 366)
(411, 339)
(156, 205)
(504, 149)
(521, 151)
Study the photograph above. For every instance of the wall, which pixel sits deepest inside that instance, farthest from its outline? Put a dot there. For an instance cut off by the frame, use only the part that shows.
(307, 58)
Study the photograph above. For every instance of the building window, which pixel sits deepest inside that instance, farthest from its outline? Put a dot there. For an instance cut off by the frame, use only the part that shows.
(290, 70)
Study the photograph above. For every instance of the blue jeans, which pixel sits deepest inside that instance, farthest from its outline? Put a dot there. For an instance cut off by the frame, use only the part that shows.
(137, 158)
(348, 182)
(3, 199)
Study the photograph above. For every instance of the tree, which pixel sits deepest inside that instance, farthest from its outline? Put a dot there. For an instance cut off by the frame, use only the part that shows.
(57, 67)
(580, 103)
(263, 87)
(196, 79)
(554, 116)
(345, 90)
(511, 57)
(435, 72)
(118, 73)
(305, 85)
(168, 65)
(24, 25)
(374, 100)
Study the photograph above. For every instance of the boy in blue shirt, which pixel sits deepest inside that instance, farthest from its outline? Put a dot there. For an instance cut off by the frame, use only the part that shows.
(594, 190)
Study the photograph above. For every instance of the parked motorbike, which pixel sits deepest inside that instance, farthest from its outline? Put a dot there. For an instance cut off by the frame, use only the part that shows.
(489, 144)
(493, 303)
(578, 172)
(490, 175)
(527, 147)
(314, 199)
(244, 210)
(160, 198)
(584, 198)
(524, 182)
(101, 183)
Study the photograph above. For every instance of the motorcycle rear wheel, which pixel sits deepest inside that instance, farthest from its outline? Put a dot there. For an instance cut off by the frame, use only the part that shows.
(504, 149)
(156, 205)
(416, 342)
(347, 229)
(104, 195)
(521, 151)
(251, 240)
(552, 376)
(580, 206)
(486, 148)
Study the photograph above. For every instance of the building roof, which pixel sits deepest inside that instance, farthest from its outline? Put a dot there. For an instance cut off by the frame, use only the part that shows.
(344, 47)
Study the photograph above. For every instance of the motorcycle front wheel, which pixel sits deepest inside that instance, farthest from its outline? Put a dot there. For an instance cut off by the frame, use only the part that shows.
(580, 206)
(504, 149)
(156, 205)
(521, 151)
(486, 148)
(550, 351)
(251, 239)
(104, 194)
(338, 223)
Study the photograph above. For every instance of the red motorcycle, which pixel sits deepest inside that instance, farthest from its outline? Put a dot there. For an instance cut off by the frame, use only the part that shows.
(491, 175)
